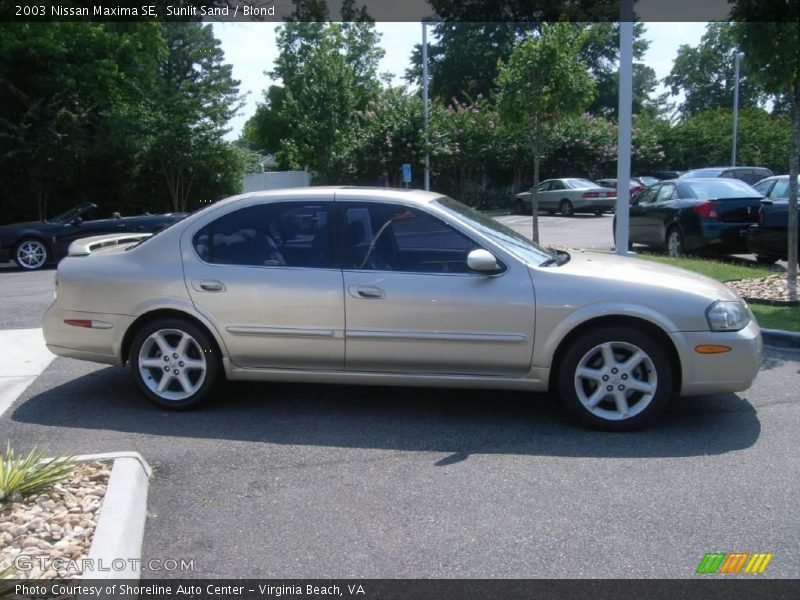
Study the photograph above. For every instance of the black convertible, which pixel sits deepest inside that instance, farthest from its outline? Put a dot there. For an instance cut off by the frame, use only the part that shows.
(34, 244)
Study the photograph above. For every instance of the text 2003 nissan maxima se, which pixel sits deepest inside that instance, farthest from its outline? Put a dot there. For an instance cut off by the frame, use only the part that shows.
(395, 287)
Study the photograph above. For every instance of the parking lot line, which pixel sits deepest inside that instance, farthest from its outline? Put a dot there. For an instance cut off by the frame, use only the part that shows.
(26, 356)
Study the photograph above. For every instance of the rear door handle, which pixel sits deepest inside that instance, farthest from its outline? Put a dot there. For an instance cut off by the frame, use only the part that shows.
(367, 291)
(208, 285)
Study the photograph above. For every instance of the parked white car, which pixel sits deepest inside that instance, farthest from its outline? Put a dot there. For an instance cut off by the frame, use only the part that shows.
(568, 196)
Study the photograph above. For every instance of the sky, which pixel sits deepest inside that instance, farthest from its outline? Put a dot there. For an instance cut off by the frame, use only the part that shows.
(251, 49)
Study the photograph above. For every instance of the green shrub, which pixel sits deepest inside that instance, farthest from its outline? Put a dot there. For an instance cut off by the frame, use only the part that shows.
(21, 477)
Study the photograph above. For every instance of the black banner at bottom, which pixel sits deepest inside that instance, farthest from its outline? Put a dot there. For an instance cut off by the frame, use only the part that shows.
(401, 589)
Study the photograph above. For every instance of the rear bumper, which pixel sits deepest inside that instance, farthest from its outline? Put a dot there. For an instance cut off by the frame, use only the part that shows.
(732, 371)
(720, 236)
(83, 343)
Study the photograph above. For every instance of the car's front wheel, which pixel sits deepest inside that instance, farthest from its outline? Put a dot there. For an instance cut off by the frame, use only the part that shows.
(615, 378)
(31, 254)
(566, 208)
(175, 363)
(519, 208)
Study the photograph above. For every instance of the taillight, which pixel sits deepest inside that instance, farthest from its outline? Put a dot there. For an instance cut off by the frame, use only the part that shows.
(706, 210)
(590, 195)
(79, 322)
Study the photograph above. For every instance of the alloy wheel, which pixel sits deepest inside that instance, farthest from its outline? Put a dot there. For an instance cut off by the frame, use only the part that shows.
(615, 380)
(172, 364)
(675, 244)
(31, 254)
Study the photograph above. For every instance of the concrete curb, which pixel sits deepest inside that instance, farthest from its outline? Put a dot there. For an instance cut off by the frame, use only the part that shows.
(116, 549)
(779, 337)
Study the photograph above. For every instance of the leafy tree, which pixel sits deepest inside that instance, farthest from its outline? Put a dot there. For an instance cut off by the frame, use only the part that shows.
(705, 73)
(706, 138)
(543, 81)
(193, 100)
(268, 126)
(769, 33)
(329, 73)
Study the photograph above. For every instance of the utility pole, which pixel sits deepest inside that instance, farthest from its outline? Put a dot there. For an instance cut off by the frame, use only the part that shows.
(624, 140)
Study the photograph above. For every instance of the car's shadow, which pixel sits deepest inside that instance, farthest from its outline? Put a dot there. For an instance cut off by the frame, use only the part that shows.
(459, 422)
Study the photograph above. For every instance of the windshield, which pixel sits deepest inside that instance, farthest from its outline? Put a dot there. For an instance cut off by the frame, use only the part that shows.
(702, 173)
(722, 188)
(70, 215)
(514, 242)
(579, 184)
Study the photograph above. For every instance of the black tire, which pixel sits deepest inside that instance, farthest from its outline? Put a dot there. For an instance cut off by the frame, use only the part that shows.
(566, 208)
(674, 242)
(598, 213)
(653, 370)
(519, 208)
(24, 254)
(766, 259)
(202, 349)
(551, 212)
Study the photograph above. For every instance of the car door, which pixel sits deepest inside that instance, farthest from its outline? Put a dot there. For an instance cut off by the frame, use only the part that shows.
(639, 216)
(264, 274)
(552, 197)
(412, 305)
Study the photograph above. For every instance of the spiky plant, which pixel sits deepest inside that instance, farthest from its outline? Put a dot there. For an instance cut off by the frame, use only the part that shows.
(20, 477)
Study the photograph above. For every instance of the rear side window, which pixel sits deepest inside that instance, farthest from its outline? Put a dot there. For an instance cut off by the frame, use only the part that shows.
(282, 234)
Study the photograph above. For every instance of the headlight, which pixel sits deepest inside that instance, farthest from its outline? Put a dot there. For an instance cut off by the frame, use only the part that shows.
(727, 316)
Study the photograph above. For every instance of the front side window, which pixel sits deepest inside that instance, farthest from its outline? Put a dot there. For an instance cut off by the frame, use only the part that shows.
(280, 234)
(392, 237)
(763, 187)
(649, 195)
(665, 193)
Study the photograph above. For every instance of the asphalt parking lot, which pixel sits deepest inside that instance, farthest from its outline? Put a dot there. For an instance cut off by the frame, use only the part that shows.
(287, 480)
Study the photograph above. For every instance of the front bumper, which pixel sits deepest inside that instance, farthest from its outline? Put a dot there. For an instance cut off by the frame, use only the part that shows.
(83, 343)
(732, 371)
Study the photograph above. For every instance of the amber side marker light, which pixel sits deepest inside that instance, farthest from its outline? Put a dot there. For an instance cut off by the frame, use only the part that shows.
(711, 349)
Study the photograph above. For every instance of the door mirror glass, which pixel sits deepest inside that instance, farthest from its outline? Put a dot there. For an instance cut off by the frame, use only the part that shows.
(77, 221)
(482, 261)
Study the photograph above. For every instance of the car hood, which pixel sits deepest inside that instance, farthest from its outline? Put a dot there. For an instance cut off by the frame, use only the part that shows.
(628, 271)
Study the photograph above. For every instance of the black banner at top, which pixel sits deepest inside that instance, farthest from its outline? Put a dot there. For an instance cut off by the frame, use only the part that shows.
(272, 11)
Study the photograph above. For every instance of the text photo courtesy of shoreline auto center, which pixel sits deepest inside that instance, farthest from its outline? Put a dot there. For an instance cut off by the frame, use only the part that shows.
(424, 300)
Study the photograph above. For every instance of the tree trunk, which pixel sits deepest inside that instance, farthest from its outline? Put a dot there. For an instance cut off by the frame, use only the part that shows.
(535, 192)
(794, 166)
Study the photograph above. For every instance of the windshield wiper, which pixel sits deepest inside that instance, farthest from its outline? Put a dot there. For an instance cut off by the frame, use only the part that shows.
(560, 258)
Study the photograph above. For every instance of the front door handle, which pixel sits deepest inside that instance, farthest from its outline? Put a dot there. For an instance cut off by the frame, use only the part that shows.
(367, 291)
(208, 285)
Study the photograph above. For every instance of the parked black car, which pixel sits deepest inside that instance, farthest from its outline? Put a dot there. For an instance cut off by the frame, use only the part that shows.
(34, 244)
(692, 215)
(769, 239)
(749, 175)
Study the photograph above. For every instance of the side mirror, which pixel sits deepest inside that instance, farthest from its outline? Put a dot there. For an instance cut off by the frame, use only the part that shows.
(76, 221)
(482, 261)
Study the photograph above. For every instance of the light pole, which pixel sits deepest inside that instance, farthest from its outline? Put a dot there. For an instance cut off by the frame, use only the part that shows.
(738, 59)
(625, 102)
(425, 102)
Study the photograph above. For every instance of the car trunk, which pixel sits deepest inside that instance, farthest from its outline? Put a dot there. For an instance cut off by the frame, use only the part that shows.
(737, 210)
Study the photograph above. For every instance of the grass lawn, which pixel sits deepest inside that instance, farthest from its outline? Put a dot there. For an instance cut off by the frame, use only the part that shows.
(771, 317)
(721, 271)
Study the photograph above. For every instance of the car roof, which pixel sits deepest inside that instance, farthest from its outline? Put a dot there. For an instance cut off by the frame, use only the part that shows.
(351, 191)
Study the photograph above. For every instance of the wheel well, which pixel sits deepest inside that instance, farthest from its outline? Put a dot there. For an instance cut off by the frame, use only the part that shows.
(31, 236)
(617, 320)
(163, 313)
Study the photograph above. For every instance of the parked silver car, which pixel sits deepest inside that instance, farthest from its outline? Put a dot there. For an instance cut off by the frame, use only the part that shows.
(395, 287)
(568, 196)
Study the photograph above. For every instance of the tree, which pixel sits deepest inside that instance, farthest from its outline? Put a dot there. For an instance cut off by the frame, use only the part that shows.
(192, 102)
(544, 81)
(705, 73)
(329, 73)
(268, 126)
(769, 33)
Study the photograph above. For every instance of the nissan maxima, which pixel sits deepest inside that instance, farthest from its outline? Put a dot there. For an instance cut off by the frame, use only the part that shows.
(394, 287)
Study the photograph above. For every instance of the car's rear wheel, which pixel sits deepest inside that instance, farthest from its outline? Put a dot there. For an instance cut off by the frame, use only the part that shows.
(675, 245)
(598, 213)
(519, 207)
(766, 259)
(615, 378)
(175, 363)
(565, 208)
(31, 254)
